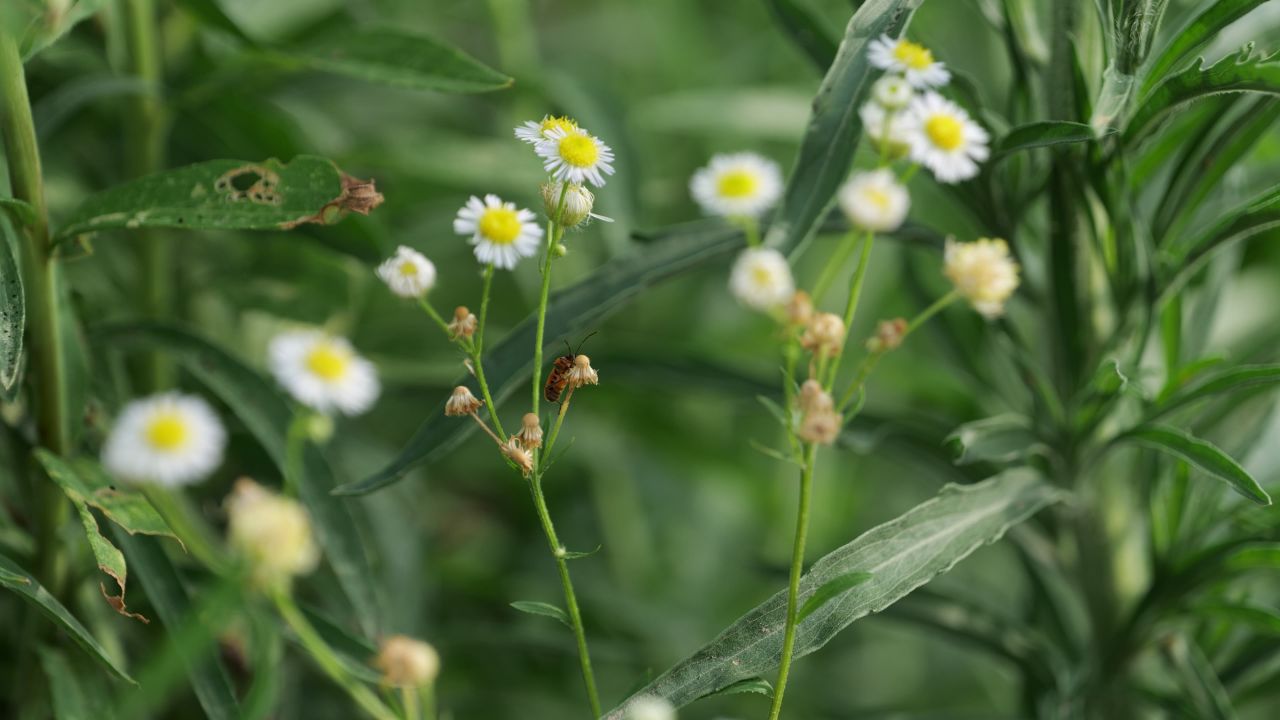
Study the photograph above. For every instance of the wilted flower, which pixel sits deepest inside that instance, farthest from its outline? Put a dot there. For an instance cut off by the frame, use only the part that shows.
(461, 402)
(575, 156)
(272, 532)
(761, 279)
(983, 273)
(650, 707)
(889, 335)
(323, 372)
(516, 453)
(463, 324)
(408, 273)
(530, 434)
(825, 335)
(912, 60)
(944, 139)
(874, 201)
(500, 233)
(582, 373)
(168, 439)
(737, 185)
(407, 662)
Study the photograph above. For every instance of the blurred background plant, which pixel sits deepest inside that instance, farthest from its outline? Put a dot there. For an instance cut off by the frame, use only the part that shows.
(1166, 615)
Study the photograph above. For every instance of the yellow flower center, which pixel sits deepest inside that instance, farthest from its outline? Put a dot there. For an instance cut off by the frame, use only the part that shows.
(737, 184)
(408, 269)
(556, 123)
(166, 431)
(327, 362)
(500, 225)
(579, 150)
(877, 197)
(914, 56)
(945, 131)
(761, 275)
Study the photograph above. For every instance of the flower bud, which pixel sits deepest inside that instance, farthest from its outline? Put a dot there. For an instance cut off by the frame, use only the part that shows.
(272, 532)
(800, 309)
(889, 335)
(825, 335)
(892, 92)
(577, 203)
(820, 426)
(983, 273)
(813, 398)
(560, 250)
(530, 434)
(319, 428)
(406, 662)
(461, 402)
(463, 324)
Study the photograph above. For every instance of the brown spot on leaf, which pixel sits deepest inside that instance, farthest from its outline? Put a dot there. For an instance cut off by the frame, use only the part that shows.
(358, 196)
(117, 603)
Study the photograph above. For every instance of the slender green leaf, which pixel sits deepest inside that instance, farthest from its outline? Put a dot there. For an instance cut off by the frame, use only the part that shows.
(173, 605)
(1198, 31)
(396, 57)
(533, 607)
(1044, 133)
(756, 686)
(1257, 216)
(508, 363)
(211, 14)
(827, 150)
(808, 29)
(1243, 72)
(24, 584)
(1203, 455)
(13, 311)
(830, 591)
(1260, 619)
(1224, 383)
(227, 195)
(902, 555)
(1197, 680)
(1001, 439)
(74, 695)
(267, 415)
(20, 210)
(46, 28)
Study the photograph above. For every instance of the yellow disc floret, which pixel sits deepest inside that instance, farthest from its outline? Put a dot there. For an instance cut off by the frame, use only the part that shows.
(737, 184)
(914, 56)
(500, 225)
(328, 362)
(408, 269)
(550, 123)
(945, 131)
(579, 150)
(166, 431)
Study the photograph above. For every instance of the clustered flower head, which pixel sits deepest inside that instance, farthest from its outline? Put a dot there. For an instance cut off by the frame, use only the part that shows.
(272, 532)
(983, 272)
(737, 185)
(408, 273)
(799, 309)
(323, 371)
(574, 155)
(406, 662)
(168, 439)
(761, 279)
(569, 204)
(944, 139)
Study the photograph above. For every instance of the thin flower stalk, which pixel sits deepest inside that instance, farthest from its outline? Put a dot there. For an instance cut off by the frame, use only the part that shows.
(477, 352)
(793, 587)
(553, 236)
(431, 312)
(555, 428)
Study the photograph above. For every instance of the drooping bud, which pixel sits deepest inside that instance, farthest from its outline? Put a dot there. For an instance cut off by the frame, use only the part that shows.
(515, 452)
(461, 402)
(582, 373)
(576, 206)
(463, 324)
(272, 532)
(406, 662)
(825, 335)
(530, 432)
(889, 335)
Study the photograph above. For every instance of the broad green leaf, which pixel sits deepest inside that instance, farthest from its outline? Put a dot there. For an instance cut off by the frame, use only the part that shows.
(833, 589)
(228, 195)
(1001, 439)
(169, 598)
(808, 29)
(74, 695)
(827, 150)
(1224, 383)
(1243, 72)
(267, 415)
(1044, 133)
(533, 607)
(13, 311)
(756, 686)
(1203, 455)
(46, 28)
(210, 13)
(1197, 31)
(396, 57)
(901, 555)
(584, 305)
(23, 583)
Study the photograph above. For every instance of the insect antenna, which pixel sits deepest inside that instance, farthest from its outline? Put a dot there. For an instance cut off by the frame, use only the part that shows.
(584, 341)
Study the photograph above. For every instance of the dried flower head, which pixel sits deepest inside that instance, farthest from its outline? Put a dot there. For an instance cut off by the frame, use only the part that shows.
(461, 402)
(272, 532)
(515, 452)
(821, 426)
(889, 335)
(800, 309)
(814, 399)
(530, 434)
(407, 662)
(983, 273)
(463, 324)
(825, 335)
(582, 373)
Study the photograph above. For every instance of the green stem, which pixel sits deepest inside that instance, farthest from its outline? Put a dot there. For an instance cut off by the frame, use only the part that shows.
(327, 659)
(570, 599)
(793, 589)
(477, 350)
(553, 229)
(295, 447)
(869, 361)
(834, 264)
(425, 304)
(851, 306)
(409, 696)
(555, 428)
(429, 702)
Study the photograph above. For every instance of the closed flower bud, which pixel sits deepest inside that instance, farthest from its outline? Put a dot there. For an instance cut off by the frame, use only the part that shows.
(272, 532)
(889, 335)
(577, 203)
(813, 398)
(825, 335)
(983, 273)
(821, 426)
(800, 309)
(463, 324)
(582, 373)
(530, 434)
(406, 662)
(461, 402)
(516, 453)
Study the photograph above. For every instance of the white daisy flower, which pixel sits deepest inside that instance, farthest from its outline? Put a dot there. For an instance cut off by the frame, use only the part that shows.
(575, 156)
(912, 60)
(168, 439)
(892, 92)
(408, 273)
(983, 273)
(761, 279)
(888, 130)
(737, 185)
(874, 201)
(501, 233)
(323, 372)
(944, 139)
(535, 131)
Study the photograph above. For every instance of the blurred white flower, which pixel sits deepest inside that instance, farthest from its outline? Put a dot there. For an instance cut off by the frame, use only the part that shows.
(575, 156)
(408, 273)
(944, 139)
(737, 185)
(983, 273)
(650, 707)
(892, 92)
(323, 372)
(407, 662)
(761, 279)
(912, 60)
(535, 131)
(874, 201)
(168, 439)
(500, 233)
(888, 130)
(272, 532)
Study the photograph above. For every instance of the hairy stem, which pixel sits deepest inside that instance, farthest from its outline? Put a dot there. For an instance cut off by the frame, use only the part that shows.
(793, 589)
